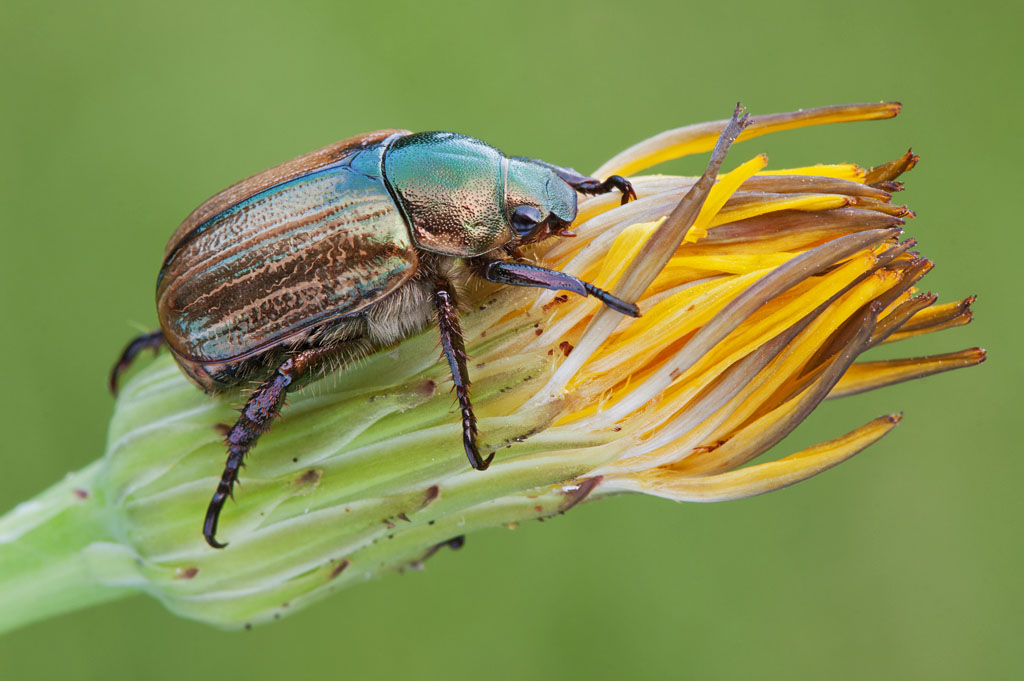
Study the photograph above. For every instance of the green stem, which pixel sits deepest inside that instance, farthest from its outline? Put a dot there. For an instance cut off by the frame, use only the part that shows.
(45, 567)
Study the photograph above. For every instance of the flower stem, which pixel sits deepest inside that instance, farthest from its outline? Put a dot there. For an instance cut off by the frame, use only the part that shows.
(46, 567)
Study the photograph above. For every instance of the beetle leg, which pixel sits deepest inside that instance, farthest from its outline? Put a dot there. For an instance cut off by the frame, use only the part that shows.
(455, 352)
(590, 185)
(525, 274)
(261, 408)
(153, 339)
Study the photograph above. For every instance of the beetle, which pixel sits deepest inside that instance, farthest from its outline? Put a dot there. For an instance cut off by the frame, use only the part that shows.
(348, 249)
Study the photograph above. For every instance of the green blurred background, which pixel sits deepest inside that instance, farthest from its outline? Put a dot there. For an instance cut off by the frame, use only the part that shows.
(117, 118)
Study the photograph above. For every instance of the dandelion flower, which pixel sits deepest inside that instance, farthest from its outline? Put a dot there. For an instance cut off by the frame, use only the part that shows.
(759, 289)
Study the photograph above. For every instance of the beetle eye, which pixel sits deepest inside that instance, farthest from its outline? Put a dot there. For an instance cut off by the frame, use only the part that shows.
(525, 220)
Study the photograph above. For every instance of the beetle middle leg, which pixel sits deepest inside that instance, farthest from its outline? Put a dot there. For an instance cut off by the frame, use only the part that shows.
(261, 408)
(525, 274)
(454, 351)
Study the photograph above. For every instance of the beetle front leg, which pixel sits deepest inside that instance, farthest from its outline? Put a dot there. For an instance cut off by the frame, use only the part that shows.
(261, 408)
(591, 185)
(525, 274)
(454, 350)
(153, 339)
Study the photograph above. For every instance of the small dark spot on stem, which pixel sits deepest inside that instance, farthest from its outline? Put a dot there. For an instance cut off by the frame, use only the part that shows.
(565, 347)
(186, 573)
(538, 331)
(339, 568)
(80, 493)
(433, 492)
(429, 386)
(310, 478)
(248, 626)
(403, 516)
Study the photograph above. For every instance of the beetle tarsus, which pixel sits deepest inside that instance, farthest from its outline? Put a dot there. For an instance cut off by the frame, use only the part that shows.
(591, 185)
(623, 185)
(469, 432)
(617, 304)
(454, 351)
(153, 339)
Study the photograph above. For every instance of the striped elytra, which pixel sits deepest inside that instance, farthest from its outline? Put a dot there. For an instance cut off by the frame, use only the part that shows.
(283, 260)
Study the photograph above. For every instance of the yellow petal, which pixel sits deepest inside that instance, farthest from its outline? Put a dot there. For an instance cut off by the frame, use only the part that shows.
(864, 376)
(754, 480)
(726, 186)
(695, 139)
(806, 202)
(840, 171)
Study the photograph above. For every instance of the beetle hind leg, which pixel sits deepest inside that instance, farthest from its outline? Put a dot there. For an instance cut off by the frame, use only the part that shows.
(257, 414)
(153, 339)
(454, 350)
(261, 408)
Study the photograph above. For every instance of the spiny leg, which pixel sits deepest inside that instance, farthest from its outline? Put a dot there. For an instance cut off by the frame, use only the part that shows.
(153, 339)
(455, 352)
(525, 274)
(261, 408)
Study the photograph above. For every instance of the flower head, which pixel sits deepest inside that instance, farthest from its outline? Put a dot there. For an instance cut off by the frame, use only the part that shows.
(759, 291)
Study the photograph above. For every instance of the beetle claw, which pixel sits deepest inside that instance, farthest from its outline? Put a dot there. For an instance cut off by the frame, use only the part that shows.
(475, 460)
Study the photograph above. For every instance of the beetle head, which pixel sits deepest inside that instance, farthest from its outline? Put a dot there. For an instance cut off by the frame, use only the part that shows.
(462, 197)
(538, 203)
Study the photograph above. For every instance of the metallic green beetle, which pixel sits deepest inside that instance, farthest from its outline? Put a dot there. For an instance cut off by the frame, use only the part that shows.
(345, 250)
